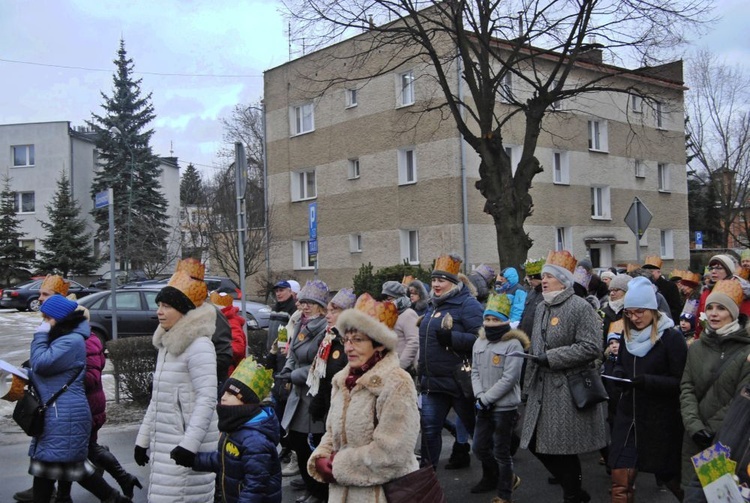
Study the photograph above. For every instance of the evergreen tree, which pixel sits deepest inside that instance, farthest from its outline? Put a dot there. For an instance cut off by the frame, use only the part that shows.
(67, 247)
(191, 187)
(130, 168)
(13, 256)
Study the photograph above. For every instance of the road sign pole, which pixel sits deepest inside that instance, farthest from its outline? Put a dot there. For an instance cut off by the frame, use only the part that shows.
(240, 172)
(113, 278)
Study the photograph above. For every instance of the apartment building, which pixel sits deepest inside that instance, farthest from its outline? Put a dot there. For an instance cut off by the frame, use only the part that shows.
(393, 183)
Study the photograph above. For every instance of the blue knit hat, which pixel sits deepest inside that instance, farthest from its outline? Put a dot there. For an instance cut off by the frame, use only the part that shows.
(58, 307)
(640, 294)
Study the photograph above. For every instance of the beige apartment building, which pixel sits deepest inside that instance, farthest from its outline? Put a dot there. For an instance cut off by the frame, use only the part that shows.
(393, 183)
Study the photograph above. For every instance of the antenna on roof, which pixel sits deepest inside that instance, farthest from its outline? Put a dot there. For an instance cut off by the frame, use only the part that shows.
(171, 149)
(520, 24)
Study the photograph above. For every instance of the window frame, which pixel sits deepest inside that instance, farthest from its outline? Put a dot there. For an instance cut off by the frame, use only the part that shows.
(18, 202)
(297, 184)
(406, 245)
(30, 155)
(664, 177)
(301, 255)
(659, 114)
(605, 212)
(563, 168)
(598, 137)
(403, 158)
(557, 105)
(563, 238)
(639, 173)
(406, 94)
(666, 244)
(355, 243)
(351, 97)
(353, 169)
(636, 103)
(296, 118)
(506, 88)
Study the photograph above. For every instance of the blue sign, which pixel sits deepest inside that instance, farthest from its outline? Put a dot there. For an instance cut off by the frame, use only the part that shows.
(313, 222)
(312, 247)
(698, 240)
(102, 199)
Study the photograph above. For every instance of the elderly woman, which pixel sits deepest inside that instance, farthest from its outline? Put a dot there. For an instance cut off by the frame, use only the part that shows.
(373, 422)
(717, 369)
(611, 311)
(647, 430)
(181, 417)
(565, 340)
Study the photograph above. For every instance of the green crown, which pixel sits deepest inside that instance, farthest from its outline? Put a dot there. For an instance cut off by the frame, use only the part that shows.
(499, 303)
(534, 266)
(254, 376)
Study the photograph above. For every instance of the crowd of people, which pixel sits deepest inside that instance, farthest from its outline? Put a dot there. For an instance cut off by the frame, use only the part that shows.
(353, 393)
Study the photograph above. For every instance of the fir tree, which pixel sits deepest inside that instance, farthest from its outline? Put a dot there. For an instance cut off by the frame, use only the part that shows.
(67, 247)
(191, 187)
(14, 257)
(130, 168)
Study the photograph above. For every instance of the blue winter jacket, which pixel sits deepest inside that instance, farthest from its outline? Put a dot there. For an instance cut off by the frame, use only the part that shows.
(67, 423)
(513, 290)
(436, 363)
(247, 462)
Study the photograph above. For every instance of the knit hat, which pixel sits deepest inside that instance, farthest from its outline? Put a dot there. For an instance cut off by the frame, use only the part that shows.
(586, 264)
(561, 264)
(447, 267)
(690, 318)
(620, 282)
(249, 382)
(498, 305)
(608, 274)
(533, 267)
(614, 336)
(640, 294)
(314, 291)
(372, 318)
(726, 261)
(486, 272)
(653, 262)
(344, 298)
(394, 289)
(58, 307)
(220, 299)
(294, 286)
(55, 283)
(727, 293)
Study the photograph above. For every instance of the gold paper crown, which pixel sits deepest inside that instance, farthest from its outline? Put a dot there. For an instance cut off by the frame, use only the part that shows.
(55, 283)
(448, 263)
(563, 259)
(221, 299)
(731, 288)
(193, 267)
(616, 327)
(407, 280)
(677, 274)
(632, 267)
(654, 261)
(385, 312)
(254, 376)
(533, 267)
(500, 303)
(690, 278)
(194, 289)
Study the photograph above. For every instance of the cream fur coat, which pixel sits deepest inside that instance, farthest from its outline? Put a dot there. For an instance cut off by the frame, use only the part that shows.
(373, 430)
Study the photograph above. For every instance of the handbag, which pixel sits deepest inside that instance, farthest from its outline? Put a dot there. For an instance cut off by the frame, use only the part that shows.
(29, 412)
(462, 375)
(586, 388)
(421, 486)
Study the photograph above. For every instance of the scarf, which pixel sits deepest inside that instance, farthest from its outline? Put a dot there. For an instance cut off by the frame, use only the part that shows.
(402, 304)
(640, 340)
(439, 299)
(550, 296)
(728, 328)
(232, 417)
(355, 374)
(494, 334)
(616, 305)
(318, 368)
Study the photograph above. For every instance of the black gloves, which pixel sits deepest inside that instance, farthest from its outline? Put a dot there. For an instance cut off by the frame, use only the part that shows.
(444, 337)
(182, 456)
(703, 439)
(140, 456)
(542, 360)
(481, 406)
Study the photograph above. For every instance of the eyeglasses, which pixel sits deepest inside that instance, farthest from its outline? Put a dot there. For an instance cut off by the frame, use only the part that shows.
(715, 268)
(356, 340)
(630, 313)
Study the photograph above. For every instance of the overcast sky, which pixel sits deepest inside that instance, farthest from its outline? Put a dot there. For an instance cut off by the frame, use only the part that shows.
(231, 41)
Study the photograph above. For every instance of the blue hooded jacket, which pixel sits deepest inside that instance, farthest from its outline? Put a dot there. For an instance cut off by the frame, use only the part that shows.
(513, 290)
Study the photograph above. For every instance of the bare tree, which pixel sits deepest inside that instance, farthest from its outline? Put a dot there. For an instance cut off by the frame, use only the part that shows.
(542, 45)
(719, 142)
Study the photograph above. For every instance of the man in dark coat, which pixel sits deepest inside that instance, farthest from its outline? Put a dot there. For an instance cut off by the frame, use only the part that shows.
(667, 288)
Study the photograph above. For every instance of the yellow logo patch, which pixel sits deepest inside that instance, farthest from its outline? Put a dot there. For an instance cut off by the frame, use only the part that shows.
(232, 450)
(554, 321)
(336, 354)
(496, 360)
(301, 337)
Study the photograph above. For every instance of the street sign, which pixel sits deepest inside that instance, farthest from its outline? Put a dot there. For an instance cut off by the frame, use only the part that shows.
(312, 247)
(698, 240)
(102, 199)
(240, 164)
(313, 221)
(638, 217)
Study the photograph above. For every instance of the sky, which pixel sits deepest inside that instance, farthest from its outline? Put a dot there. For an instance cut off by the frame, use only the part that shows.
(219, 48)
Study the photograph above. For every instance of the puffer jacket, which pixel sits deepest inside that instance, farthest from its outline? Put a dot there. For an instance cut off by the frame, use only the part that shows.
(58, 355)
(436, 363)
(182, 411)
(495, 377)
(247, 462)
(516, 293)
(239, 341)
(95, 361)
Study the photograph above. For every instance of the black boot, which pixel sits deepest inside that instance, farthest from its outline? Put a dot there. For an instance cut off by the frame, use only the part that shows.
(460, 457)
(488, 482)
(108, 461)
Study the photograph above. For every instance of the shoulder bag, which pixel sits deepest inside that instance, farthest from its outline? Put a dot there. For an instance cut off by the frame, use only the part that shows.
(421, 486)
(586, 388)
(29, 412)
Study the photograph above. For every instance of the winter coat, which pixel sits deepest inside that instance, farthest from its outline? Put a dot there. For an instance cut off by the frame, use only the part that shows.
(222, 340)
(58, 355)
(337, 360)
(495, 378)
(239, 341)
(654, 410)
(407, 347)
(613, 390)
(515, 292)
(671, 294)
(436, 363)
(372, 429)
(182, 411)
(533, 298)
(247, 462)
(420, 307)
(302, 350)
(279, 318)
(572, 330)
(95, 362)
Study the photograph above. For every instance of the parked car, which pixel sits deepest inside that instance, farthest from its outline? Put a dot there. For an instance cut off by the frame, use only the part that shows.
(217, 283)
(123, 277)
(25, 297)
(136, 312)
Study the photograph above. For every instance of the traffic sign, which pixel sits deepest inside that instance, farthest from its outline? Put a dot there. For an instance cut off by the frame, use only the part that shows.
(638, 217)
(313, 222)
(102, 199)
(698, 240)
(312, 247)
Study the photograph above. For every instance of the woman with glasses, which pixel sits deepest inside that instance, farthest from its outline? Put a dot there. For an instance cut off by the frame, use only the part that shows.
(612, 310)
(722, 267)
(373, 421)
(647, 431)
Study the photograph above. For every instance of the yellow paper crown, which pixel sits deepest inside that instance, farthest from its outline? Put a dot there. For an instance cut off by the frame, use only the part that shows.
(407, 280)
(384, 312)
(691, 278)
(731, 288)
(498, 303)
(55, 283)
(448, 263)
(677, 274)
(194, 289)
(562, 258)
(654, 261)
(743, 273)
(616, 327)
(533, 266)
(254, 376)
(632, 267)
(221, 299)
(192, 267)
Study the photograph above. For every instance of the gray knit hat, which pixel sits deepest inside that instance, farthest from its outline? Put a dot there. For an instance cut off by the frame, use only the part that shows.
(620, 282)
(393, 289)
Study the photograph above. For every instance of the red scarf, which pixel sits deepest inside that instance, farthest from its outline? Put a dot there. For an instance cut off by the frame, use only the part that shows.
(355, 374)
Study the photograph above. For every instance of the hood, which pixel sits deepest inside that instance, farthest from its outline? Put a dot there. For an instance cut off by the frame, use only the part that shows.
(76, 323)
(198, 322)
(468, 284)
(266, 423)
(519, 335)
(420, 288)
(511, 275)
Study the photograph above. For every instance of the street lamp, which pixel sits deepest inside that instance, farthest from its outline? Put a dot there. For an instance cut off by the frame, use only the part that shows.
(117, 131)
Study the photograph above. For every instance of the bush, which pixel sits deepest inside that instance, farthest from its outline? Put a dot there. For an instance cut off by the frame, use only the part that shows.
(372, 282)
(134, 361)
(256, 344)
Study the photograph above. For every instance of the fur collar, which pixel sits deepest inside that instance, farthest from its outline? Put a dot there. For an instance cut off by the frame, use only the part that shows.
(519, 335)
(198, 322)
(375, 378)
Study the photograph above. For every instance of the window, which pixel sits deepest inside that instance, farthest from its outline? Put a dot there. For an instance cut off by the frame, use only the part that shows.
(303, 119)
(23, 155)
(29, 244)
(407, 166)
(303, 185)
(563, 238)
(23, 202)
(557, 105)
(662, 172)
(150, 297)
(126, 301)
(506, 88)
(640, 169)
(600, 202)
(355, 243)
(410, 246)
(301, 255)
(561, 174)
(636, 104)
(351, 98)
(512, 153)
(406, 89)
(353, 169)
(659, 114)
(667, 244)
(598, 135)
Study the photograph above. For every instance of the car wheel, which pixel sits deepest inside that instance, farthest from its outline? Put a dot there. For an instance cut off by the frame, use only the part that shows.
(34, 304)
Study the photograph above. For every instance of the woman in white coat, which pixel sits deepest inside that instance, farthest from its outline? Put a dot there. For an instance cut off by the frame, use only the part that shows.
(181, 418)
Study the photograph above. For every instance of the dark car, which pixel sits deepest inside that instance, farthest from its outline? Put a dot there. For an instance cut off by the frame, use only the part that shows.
(123, 277)
(221, 284)
(25, 297)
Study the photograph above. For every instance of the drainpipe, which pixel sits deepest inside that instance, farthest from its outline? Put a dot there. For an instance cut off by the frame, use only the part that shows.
(462, 160)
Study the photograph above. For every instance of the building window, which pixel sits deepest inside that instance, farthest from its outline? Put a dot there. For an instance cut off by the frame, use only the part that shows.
(23, 156)
(636, 104)
(563, 238)
(556, 105)
(29, 244)
(600, 202)
(659, 114)
(355, 243)
(667, 244)
(598, 136)
(406, 88)
(410, 246)
(302, 255)
(407, 166)
(303, 185)
(662, 172)
(560, 170)
(353, 169)
(351, 98)
(640, 169)
(513, 153)
(302, 118)
(23, 202)
(506, 88)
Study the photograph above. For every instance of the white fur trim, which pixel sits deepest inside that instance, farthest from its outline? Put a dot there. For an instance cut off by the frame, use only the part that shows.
(353, 318)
